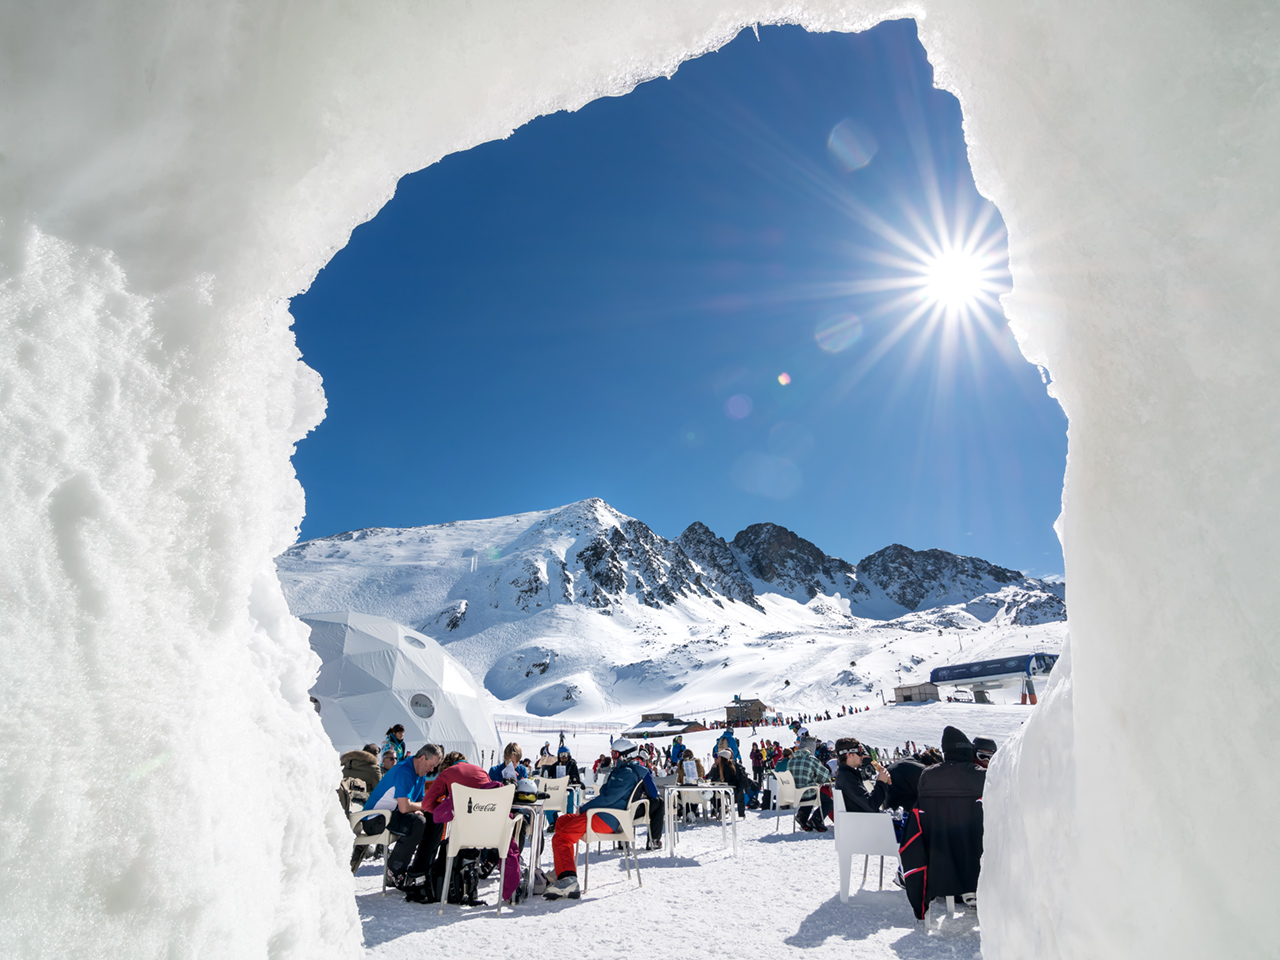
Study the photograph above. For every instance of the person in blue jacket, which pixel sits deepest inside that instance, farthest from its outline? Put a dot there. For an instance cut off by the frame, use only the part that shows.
(398, 796)
(629, 775)
(730, 742)
(511, 769)
(677, 749)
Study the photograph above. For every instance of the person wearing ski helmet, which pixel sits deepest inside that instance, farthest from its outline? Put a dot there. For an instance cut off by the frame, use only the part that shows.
(605, 809)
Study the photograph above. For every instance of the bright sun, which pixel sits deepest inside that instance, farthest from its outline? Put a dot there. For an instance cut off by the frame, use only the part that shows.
(954, 280)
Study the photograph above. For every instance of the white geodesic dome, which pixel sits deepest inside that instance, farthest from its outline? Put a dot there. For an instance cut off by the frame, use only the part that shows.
(376, 673)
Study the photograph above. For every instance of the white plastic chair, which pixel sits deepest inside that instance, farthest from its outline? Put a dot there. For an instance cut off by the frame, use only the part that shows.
(557, 791)
(626, 833)
(386, 837)
(789, 795)
(868, 834)
(481, 819)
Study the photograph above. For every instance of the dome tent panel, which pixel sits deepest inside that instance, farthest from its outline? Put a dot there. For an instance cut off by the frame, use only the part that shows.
(360, 639)
(379, 664)
(359, 677)
(388, 674)
(327, 679)
(328, 640)
(337, 723)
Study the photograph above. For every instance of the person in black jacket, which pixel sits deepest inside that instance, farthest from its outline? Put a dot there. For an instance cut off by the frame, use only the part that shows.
(904, 776)
(950, 805)
(549, 766)
(852, 756)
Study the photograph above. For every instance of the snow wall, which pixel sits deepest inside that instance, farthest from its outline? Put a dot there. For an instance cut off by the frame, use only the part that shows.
(171, 173)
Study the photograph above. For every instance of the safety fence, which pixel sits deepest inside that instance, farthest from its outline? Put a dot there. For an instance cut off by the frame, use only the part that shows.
(550, 725)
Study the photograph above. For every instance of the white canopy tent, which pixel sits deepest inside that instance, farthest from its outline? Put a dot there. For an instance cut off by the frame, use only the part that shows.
(376, 673)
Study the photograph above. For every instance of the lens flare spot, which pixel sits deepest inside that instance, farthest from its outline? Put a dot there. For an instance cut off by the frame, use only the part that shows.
(738, 407)
(838, 333)
(851, 145)
(784, 378)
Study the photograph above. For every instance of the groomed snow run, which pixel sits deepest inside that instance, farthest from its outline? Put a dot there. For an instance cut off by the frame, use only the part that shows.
(171, 173)
(779, 896)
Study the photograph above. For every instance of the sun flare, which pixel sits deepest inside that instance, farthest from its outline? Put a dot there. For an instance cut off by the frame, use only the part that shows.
(954, 279)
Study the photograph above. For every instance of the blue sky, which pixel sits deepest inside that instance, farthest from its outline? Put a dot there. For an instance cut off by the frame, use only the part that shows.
(603, 304)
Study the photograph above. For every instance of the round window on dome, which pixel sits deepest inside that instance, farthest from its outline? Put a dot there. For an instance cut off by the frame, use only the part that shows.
(421, 704)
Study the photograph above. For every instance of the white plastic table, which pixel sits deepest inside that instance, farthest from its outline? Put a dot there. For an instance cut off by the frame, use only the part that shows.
(671, 797)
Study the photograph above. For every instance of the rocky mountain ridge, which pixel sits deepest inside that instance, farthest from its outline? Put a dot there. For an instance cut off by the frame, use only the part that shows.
(584, 609)
(590, 554)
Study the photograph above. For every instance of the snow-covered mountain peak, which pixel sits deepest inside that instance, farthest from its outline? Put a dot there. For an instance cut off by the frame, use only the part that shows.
(585, 609)
(919, 579)
(791, 565)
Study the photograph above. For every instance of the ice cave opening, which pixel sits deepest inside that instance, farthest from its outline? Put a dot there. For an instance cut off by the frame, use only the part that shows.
(171, 175)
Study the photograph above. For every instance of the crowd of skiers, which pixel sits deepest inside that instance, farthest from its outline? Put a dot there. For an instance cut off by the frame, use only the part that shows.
(933, 794)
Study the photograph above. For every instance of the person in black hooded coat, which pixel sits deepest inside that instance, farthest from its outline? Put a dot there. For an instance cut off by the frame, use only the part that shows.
(949, 802)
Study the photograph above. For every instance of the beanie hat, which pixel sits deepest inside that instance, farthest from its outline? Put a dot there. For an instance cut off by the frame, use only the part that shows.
(726, 753)
(956, 746)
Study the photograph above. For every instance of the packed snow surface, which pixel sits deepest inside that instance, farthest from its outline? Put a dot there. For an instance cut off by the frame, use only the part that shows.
(779, 895)
(172, 173)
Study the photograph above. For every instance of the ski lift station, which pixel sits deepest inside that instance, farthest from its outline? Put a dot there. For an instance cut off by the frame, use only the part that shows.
(982, 676)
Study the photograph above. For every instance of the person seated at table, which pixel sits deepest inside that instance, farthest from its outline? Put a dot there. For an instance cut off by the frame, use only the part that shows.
(849, 780)
(512, 767)
(725, 771)
(438, 804)
(689, 770)
(950, 824)
(781, 765)
(559, 766)
(605, 810)
(399, 795)
(809, 775)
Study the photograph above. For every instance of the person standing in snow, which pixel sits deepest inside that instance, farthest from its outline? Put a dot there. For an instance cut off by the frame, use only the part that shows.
(677, 749)
(395, 741)
(728, 740)
(757, 764)
(605, 809)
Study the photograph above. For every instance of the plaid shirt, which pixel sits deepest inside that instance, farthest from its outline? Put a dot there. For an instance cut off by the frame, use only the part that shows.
(806, 770)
